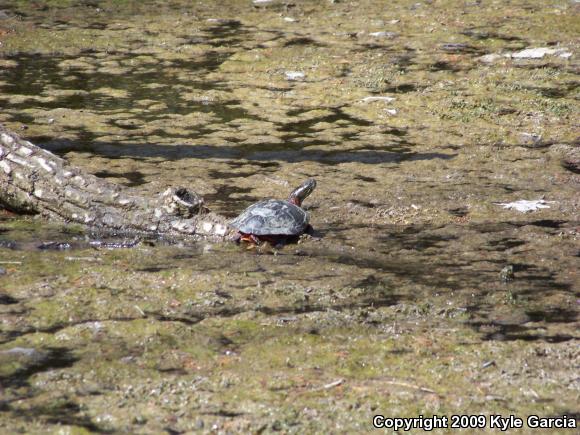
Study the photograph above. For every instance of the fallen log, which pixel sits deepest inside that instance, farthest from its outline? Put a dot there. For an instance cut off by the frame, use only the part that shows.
(35, 181)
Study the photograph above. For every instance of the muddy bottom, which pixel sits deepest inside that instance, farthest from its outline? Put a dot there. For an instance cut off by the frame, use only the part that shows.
(419, 292)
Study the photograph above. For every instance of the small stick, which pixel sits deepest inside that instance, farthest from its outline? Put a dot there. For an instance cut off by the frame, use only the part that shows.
(82, 259)
(331, 385)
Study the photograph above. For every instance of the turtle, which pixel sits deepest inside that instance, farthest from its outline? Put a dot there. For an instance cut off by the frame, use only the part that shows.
(274, 220)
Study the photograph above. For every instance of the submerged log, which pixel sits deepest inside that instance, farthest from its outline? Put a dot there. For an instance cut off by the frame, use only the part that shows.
(35, 181)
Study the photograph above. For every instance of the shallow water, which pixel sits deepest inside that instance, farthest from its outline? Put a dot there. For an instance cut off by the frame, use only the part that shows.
(397, 303)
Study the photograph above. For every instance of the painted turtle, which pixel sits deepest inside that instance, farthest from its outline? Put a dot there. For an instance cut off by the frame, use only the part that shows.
(274, 220)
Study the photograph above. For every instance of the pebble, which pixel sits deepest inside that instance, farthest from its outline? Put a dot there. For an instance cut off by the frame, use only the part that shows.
(294, 75)
(389, 35)
(371, 99)
(490, 58)
(529, 138)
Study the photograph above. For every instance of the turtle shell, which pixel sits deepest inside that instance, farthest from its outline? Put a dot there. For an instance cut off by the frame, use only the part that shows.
(272, 217)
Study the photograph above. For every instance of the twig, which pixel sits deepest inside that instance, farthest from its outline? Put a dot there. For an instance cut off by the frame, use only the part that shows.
(331, 385)
(82, 259)
(415, 387)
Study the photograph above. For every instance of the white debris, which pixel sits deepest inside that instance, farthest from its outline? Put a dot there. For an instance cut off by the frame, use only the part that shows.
(525, 206)
(290, 19)
(389, 35)
(294, 75)
(82, 259)
(391, 112)
(490, 58)
(540, 52)
(38, 193)
(371, 99)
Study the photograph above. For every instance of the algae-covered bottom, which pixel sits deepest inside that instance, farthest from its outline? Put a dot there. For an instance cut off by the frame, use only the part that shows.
(418, 293)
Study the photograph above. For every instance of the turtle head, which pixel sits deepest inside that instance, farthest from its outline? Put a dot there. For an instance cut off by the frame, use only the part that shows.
(301, 192)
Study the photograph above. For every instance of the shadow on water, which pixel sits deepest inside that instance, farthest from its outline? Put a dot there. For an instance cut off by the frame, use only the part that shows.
(31, 362)
(433, 259)
(253, 153)
(34, 361)
(134, 178)
(34, 74)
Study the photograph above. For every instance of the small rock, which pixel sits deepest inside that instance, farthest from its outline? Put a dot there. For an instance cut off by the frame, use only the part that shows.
(2, 271)
(490, 58)
(294, 75)
(391, 112)
(371, 99)
(388, 35)
(529, 138)
(140, 419)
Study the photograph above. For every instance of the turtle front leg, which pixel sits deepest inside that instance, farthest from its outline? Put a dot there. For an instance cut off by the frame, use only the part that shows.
(251, 239)
(255, 239)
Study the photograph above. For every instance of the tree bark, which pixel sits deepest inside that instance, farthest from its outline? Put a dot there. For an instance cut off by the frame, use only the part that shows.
(33, 180)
